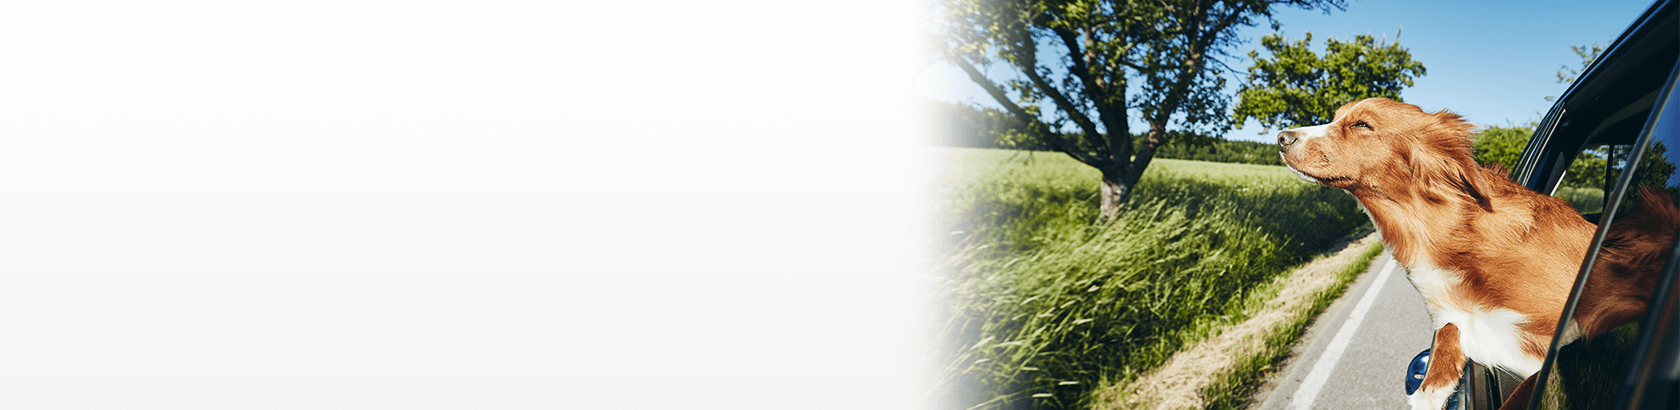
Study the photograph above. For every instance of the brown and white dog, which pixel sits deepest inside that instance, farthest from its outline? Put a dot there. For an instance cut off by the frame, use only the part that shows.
(1493, 260)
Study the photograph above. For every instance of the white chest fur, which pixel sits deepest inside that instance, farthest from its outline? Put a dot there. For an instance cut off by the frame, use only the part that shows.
(1488, 334)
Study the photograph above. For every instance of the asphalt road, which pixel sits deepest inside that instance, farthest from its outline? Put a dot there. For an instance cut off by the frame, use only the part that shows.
(1353, 356)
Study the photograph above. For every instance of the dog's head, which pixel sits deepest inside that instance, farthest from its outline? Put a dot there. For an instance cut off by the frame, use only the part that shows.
(1387, 148)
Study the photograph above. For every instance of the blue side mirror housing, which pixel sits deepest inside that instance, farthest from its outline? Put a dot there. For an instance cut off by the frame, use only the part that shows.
(1416, 370)
(1414, 377)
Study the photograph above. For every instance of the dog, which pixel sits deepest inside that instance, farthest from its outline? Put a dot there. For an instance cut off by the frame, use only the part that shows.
(1494, 261)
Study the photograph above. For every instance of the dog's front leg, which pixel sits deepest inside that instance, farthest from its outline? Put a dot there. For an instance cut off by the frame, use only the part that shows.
(1446, 366)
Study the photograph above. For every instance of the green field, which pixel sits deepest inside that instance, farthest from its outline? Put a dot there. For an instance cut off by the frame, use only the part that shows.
(1045, 306)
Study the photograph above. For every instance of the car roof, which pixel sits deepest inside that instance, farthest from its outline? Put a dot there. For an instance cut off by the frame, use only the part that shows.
(1650, 37)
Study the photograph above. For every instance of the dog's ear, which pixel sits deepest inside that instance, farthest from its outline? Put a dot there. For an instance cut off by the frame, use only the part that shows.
(1449, 138)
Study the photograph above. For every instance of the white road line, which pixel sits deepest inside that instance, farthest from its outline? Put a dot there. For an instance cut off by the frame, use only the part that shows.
(1310, 386)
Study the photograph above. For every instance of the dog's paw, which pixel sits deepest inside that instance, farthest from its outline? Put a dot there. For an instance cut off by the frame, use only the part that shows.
(1429, 399)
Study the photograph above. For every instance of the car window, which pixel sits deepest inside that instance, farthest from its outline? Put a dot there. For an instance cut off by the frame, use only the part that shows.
(1589, 373)
(1589, 176)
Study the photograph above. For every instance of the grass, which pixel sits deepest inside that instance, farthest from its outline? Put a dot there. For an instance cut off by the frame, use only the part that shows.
(1045, 305)
(1586, 200)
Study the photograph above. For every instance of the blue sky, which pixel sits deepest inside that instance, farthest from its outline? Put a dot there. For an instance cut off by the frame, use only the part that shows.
(1488, 61)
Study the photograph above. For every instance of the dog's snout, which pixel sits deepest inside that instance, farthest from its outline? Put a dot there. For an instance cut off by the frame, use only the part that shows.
(1287, 138)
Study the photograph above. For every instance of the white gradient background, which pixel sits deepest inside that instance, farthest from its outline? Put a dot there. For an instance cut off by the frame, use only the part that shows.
(474, 205)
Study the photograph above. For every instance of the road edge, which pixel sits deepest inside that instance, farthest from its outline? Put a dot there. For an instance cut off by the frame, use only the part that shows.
(1225, 370)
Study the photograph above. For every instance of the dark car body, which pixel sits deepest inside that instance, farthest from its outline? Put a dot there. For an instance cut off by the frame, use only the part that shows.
(1623, 112)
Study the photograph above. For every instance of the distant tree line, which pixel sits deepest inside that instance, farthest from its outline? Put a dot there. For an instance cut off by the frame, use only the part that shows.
(1222, 150)
(964, 125)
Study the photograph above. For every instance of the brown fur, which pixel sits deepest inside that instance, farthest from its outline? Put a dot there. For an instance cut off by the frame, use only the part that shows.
(1634, 252)
(1515, 249)
(1446, 362)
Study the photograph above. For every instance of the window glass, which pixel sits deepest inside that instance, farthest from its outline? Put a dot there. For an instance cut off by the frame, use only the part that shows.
(1588, 178)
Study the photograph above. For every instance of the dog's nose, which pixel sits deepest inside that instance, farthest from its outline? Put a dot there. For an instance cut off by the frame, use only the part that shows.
(1286, 138)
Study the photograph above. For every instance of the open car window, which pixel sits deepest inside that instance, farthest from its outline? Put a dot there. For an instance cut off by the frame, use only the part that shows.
(1591, 175)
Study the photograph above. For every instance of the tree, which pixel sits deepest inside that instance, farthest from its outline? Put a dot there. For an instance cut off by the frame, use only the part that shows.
(1503, 145)
(1566, 74)
(1082, 68)
(1500, 145)
(1297, 87)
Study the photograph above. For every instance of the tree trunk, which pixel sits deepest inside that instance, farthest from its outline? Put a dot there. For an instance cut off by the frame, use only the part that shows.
(1116, 189)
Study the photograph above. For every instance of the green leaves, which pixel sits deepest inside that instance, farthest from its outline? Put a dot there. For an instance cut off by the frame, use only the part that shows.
(1297, 87)
(1567, 74)
(1501, 145)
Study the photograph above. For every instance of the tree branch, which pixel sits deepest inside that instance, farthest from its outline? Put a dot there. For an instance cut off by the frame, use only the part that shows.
(1042, 129)
(1198, 42)
(1029, 67)
(991, 88)
(1072, 110)
(1118, 141)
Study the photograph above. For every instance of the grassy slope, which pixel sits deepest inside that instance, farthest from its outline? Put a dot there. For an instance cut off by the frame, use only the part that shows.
(1045, 305)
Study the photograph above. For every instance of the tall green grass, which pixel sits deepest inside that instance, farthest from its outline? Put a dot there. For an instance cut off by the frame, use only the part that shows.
(1045, 304)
